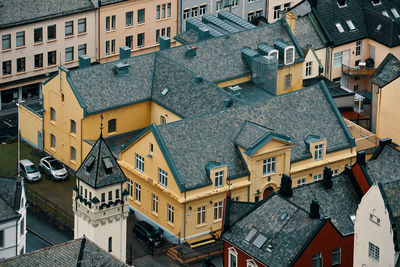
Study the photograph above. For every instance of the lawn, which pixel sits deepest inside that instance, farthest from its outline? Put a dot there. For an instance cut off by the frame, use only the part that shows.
(59, 192)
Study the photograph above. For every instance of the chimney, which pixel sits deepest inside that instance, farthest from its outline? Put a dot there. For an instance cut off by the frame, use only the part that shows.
(327, 179)
(203, 33)
(84, 61)
(121, 69)
(384, 142)
(198, 79)
(314, 210)
(165, 43)
(291, 20)
(313, 3)
(360, 158)
(124, 52)
(286, 186)
(227, 206)
(191, 51)
(227, 103)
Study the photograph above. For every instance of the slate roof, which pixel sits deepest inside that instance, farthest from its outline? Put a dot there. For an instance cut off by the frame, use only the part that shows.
(94, 170)
(384, 169)
(239, 209)
(19, 12)
(220, 58)
(334, 89)
(193, 142)
(387, 71)
(67, 254)
(10, 195)
(390, 193)
(287, 237)
(109, 2)
(336, 203)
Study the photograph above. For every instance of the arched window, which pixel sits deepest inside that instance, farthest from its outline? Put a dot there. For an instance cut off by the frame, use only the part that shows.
(73, 127)
(52, 141)
(110, 244)
(52, 114)
(73, 153)
(112, 125)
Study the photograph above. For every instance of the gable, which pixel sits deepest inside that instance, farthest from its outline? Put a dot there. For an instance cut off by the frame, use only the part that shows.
(273, 146)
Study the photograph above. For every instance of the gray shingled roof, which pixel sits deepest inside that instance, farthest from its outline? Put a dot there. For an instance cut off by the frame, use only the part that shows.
(384, 169)
(100, 158)
(250, 134)
(65, 254)
(10, 191)
(19, 12)
(336, 203)
(387, 71)
(306, 34)
(238, 209)
(220, 58)
(391, 195)
(287, 237)
(194, 142)
(6, 212)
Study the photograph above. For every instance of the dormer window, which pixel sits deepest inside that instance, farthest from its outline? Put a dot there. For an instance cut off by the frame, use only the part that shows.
(274, 53)
(376, 2)
(339, 27)
(351, 25)
(89, 164)
(289, 55)
(269, 166)
(385, 13)
(318, 152)
(219, 179)
(341, 3)
(107, 165)
(395, 13)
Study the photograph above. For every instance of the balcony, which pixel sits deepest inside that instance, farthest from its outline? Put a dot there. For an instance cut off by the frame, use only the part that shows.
(360, 70)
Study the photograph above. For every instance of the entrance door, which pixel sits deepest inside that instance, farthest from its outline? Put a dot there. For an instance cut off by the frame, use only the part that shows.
(268, 191)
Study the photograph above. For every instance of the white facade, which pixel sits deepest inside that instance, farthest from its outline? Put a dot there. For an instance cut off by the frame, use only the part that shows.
(101, 224)
(373, 230)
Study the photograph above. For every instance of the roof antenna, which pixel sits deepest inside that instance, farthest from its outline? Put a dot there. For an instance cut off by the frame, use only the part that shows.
(101, 125)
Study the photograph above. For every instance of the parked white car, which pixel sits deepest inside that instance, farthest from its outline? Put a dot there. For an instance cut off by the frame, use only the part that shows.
(53, 168)
(28, 170)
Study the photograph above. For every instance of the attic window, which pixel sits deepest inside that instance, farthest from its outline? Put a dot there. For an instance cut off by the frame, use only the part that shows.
(274, 53)
(289, 55)
(165, 91)
(379, 27)
(251, 234)
(353, 218)
(89, 164)
(339, 27)
(376, 2)
(259, 241)
(351, 25)
(385, 13)
(107, 165)
(341, 3)
(283, 216)
(395, 13)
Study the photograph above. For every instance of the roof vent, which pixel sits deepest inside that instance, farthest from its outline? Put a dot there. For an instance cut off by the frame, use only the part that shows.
(314, 210)
(84, 61)
(198, 79)
(286, 186)
(384, 142)
(203, 33)
(124, 52)
(327, 179)
(234, 88)
(191, 51)
(165, 91)
(165, 42)
(121, 69)
(227, 103)
(269, 247)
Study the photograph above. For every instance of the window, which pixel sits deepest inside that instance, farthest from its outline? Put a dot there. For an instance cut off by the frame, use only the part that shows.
(139, 163)
(21, 227)
(7, 67)
(218, 210)
(250, 1)
(286, 7)
(170, 213)
(351, 25)
(20, 40)
(337, 59)
(374, 219)
(113, 46)
(6, 41)
(110, 244)
(38, 61)
(269, 166)
(301, 182)
(203, 10)
(250, 16)
(130, 187)
(73, 127)
(376, 2)
(318, 151)
(163, 32)
(195, 11)
(162, 177)
(129, 18)
(103, 197)
(219, 179)
(82, 25)
(339, 27)
(358, 48)
(107, 23)
(69, 28)
(232, 258)
(259, 12)
(236, 198)
(336, 256)
(168, 10)
(201, 215)
(373, 251)
(288, 81)
(318, 177)
(129, 41)
(138, 192)
(151, 148)
(317, 260)
(154, 203)
(157, 36)
(52, 114)
(140, 18)
(163, 11)
(277, 12)
(51, 58)
(235, 3)
(113, 22)
(90, 195)
(21, 64)
(81, 50)
(112, 125)
(107, 47)
(109, 195)
(117, 193)
(52, 141)
(38, 35)
(289, 55)
(51, 32)
(85, 193)
(335, 172)
(186, 14)
(169, 31)
(140, 40)
(158, 9)
(395, 13)
(73, 153)
(69, 54)
(219, 5)
(308, 68)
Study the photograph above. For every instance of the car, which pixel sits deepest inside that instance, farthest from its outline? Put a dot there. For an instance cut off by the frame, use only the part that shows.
(148, 233)
(28, 171)
(53, 168)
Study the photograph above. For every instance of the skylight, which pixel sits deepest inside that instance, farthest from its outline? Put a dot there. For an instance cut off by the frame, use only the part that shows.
(251, 234)
(385, 13)
(259, 241)
(379, 27)
(339, 27)
(376, 2)
(351, 25)
(165, 91)
(283, 216)
(395, 13)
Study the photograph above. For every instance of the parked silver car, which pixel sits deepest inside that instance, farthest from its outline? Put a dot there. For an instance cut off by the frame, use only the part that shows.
(28, 170)
(53, 168)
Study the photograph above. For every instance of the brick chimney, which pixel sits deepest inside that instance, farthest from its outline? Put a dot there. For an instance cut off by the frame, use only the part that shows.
(286, 186)
(226, 211)
(361, 158)
(291, 20)
(327, 179)
(314, 210)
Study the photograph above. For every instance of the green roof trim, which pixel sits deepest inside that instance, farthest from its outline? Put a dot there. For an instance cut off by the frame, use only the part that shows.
(49, 79)
(296, 44)
(264, 140)
(75, 91)
(314, 13)
(316, 28)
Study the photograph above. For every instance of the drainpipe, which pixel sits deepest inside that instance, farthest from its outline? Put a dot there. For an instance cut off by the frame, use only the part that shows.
(180, 16)
(16, 239)
(184, 219)
(98, 33)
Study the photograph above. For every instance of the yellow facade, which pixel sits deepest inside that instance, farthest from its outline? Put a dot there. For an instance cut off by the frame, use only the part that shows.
(295, 72)
(33, 127)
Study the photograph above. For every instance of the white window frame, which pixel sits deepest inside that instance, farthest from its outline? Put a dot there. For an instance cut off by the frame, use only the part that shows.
(250, 16)
(219, 5)
(289, 55)
(219, 179)
(317, 177)
(251, 263)
(308, 68)
(373, 251)
(139, 163)
(358, 48)
(170, 213)
(277, 12)
(395, 13)
(201, 215)
(186, 13)
(339, 27)
(162, 177)
(301, 181)
(269, 166)
(232, 253)
(218, 208)
(154, 203)
(318, 152)
(350, 25)
(203, 10)
(338, 59)
(130, 187)
(138, 192)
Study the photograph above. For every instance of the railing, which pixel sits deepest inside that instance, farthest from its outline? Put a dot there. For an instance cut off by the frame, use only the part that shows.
(357, 70)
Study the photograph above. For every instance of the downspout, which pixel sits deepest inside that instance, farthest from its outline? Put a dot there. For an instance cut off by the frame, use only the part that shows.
(16, 239)
(98, 32)
(180, 16)
(184, 219)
